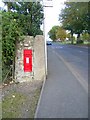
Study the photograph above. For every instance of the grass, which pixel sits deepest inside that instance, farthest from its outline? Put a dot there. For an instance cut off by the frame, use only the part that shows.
(11, 105)
(34, 101)
(86, 42)
(0, 60)
(0, 110)
(20, 104)
(69, 42)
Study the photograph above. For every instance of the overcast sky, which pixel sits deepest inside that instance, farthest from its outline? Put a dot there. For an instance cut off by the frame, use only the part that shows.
(52, 14)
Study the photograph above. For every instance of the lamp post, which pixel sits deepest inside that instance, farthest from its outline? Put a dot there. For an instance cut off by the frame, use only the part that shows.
(46, 3)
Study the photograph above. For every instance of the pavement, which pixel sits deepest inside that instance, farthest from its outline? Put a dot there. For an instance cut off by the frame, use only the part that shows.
(62, 95)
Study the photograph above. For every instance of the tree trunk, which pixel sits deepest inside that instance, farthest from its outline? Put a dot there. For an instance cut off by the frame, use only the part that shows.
(71, 37)
(78, 36)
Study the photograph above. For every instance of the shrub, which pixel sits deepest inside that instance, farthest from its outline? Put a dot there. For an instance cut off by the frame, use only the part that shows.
(79, 41)
(11, 33)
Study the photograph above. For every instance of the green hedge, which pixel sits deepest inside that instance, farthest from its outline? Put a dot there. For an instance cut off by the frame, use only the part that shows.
(11, 32)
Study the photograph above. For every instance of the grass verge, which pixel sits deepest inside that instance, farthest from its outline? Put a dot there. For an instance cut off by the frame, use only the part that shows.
(20, 100)
(11, 105)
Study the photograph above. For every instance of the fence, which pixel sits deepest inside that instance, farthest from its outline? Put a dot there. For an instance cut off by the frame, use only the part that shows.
(8, 74)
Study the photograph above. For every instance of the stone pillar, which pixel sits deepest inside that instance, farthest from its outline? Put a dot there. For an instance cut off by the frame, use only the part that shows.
(39, 58)
(20, 75)
(37, 45)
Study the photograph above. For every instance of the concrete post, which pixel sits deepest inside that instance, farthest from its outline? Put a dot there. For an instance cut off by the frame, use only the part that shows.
(39, 58)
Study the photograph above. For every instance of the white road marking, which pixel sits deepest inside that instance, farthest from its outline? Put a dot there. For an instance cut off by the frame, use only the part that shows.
(81, 51)
(60, 47)
(74, 72)
(57, 47)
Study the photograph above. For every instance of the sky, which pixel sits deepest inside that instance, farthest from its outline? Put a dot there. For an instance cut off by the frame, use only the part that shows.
(52, 15)
(1, 4)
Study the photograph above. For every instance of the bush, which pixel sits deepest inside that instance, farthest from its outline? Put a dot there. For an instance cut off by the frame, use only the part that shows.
(11, 33)
(80, 42)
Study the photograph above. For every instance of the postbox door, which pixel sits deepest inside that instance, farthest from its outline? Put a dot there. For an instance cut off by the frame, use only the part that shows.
(27, 60)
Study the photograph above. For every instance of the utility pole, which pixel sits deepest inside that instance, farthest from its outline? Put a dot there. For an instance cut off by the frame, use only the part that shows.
(46, 3)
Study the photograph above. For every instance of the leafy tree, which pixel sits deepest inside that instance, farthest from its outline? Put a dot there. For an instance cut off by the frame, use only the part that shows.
(30, 15)
(57, 32)
(68, 35)
(11, 32)
(9, 5)
(74, 17)
(61, 33)
(52, 32)
(86, 36)
(66, 19)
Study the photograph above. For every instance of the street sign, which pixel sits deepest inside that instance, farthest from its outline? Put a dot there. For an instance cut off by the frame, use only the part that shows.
(47, 3)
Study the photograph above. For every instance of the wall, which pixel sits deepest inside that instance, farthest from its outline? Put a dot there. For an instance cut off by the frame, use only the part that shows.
(39, 58)
(38, 66)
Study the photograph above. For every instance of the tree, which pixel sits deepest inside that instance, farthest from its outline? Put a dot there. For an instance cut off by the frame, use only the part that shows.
(11, 32)
(86, 36)
(22, 18)
(74, 17)
(66, 18)
(68, 35)
(30, 15)
(9, 5)
(57, 32)
(52, 33)
(33, 13)
(61, 34)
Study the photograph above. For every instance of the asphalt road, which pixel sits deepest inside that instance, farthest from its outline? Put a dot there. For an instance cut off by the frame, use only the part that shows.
(75, 56)
(65, 92)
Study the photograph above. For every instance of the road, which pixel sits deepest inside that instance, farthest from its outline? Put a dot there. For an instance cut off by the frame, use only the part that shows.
(76, 57)
(65, 92)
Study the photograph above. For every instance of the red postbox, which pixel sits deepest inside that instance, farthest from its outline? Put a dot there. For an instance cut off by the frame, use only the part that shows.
(27, 60)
